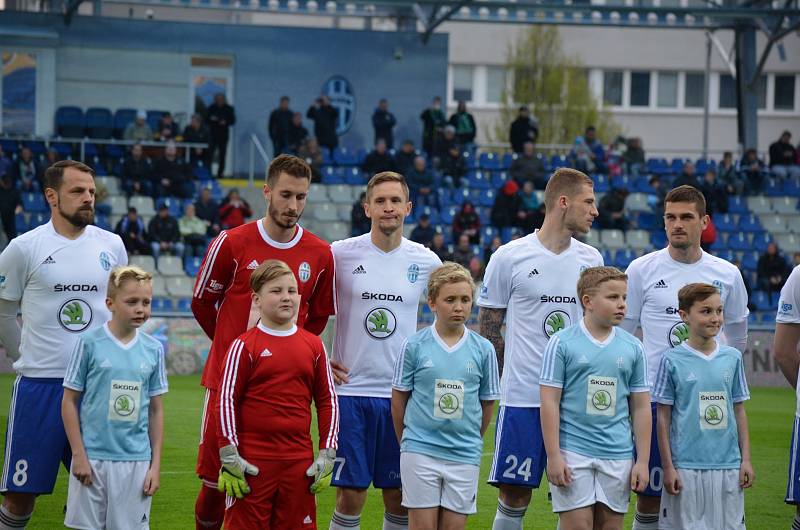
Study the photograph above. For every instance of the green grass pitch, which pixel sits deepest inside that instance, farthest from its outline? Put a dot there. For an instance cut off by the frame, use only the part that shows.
(770, 412)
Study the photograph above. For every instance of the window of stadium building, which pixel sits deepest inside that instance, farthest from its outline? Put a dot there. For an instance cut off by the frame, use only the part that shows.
(462, 83)
(667, 89)
(640, 89)
(495, 83)
(612, 88)
(693, 90)
(727, 92)
(784, 92)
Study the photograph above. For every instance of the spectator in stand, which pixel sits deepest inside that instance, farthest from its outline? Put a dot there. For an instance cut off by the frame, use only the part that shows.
(464, 124)
(453, 167)
(26, 171)
(614, 161)
(138, 130)
(506, 210)
(383, 122)
(312, 154)
(747, 288)
(466, 221)
(715, 193)
(221, 117)
(325, 117)
(782, 157)
(134, 236)
(524, 129)
(280, 120)
(423, 233)
(752, 169)
(193, 231)
(421, 185)
(10, 205)
(687, 177)
(772, 270)
(404, 158)
(101, 207)
(360, 224)
(167, 128)
(234, 210)
(728, 176)
(439, 248)
(465, 256)
(532, 209)
(207, 209)
(378, 160)
(656, 199)
(612, 210)
(51, 156)
(491, 248)
(433, 122)
(164, 234)
(598, 155)
(634, 157)
(528, 167)
(197, 133)
(297, 133)
(5, 163)
(172, 177)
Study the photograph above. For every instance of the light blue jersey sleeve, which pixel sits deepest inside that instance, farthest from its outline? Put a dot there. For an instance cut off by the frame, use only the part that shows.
(75, 378)
(739, 390)
(158, 378)
(639, 382)
(553, 363)
(490, 382)
(403, 379)
(664, 389)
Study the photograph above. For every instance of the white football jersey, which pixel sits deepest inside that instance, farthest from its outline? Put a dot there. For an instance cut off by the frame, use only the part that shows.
(61, 284)
(377, 299)
(789, 311)
(653, 284)
(538, 289)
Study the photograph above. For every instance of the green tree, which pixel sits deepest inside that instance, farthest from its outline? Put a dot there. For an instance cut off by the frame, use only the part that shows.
(555, 87)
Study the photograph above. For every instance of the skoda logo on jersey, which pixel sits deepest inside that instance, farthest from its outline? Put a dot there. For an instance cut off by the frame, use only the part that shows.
(714, 414)
(124, 405)
(677, 334)
(105, 261)
(448, 403)
(555, 322)
(304, 272)
(380, 323)
(340, 92)
(601, 400)
(413, 273)
(718, 286)
(75, 315)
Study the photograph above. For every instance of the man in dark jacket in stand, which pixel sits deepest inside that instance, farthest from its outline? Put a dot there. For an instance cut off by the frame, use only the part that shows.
(325, 117)
(280, 121)
(221, 117)
(523, 129)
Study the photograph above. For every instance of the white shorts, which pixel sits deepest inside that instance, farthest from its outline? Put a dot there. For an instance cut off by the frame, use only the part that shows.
(114, 500)
(711, 498)
(594, 480)
(431, 482)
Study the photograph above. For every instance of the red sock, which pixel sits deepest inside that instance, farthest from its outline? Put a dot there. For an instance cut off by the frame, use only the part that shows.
(209, 509)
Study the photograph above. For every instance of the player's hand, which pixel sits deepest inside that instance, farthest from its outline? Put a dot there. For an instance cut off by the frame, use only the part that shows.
(558, 473)
(152, 481)
(672, 481)
(340, 372)
(746, 474)
(640, 476)
(232, 473)
(81, 469)
(321, 469)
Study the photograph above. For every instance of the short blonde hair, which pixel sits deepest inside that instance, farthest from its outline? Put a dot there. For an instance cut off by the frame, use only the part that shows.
(126, 273)
(267, 272)
(449, 272)
(592, 277)
(565, 181)
(386, 176)
(692, 293)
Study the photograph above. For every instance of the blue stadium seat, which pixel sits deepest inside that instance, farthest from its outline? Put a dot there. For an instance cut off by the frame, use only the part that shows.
(725, 223)
(432, 213)
(470, 160)
(750, 260)
(162, 305)
(499, 178)
(768, 317)
(704, 164)
(344, 157)
(622, 181)
(192, 265)
(332, 175)
(21, 223)
(658, 238)
(489, 161)
(791, 188)
(484, 214)
(70, 122)
(761, 241)
(444, 196)
(487, 198)
(184, 305)
(447, 214)
(354, 176)
(90, 151)
(38, 219)
(460, 195)
(601, 184)
(174, 204)
(608, 256)
(773, 187)
(478, 180)
(727, 255)
(739, 241)
(201, 172)
(508, 232)
(557, 161)
(721, 243)
(753, 318)
(10, 147)
(99, 123)
(657, 166)
(34, 202)
(646, 221)
(508, 158)
(737, 204)
(122, 118)
(762, 301)
(63, 149)
(488, 233)
(153, 117)
(676, 168)
(102, 221)
(114, 151)
(37, 147)
(750, 223)
(623, 258)
(642, 185)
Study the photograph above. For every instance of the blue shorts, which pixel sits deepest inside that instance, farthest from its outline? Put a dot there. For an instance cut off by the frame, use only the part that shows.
(519, 455)
(793, 484)
(35, 439)
(654, 465)
(368, 449)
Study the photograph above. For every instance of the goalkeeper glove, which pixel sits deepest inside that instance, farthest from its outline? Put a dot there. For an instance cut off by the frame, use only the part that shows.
(321, 469)
(232, 473)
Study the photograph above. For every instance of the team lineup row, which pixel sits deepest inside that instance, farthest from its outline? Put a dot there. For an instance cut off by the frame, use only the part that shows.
(571, 373)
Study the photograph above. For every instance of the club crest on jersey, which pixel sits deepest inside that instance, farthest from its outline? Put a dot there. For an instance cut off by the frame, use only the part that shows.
(413, 273)
(555, 322)
(304, 272)
(75, 315)
(380, 323)
(718, 286)
(677, 334)
(105, 261)
(2, 281)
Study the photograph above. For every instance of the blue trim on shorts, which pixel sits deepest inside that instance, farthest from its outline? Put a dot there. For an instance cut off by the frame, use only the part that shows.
(654, 464)
(35, 439)
(368, 451)
(793, 482)
(519, 455)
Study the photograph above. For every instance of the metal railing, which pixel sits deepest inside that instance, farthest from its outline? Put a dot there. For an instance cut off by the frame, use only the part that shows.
(187, 146)
(256, 145)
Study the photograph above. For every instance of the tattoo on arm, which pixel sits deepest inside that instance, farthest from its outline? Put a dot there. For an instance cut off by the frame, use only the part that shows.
(490, 321)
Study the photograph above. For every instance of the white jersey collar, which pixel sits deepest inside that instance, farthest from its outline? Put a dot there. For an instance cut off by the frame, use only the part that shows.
(600, 343)
(277, 244)
(538, 244)
(52, 229)
(118, 342)
(700, 354)
(278, 332)
(443, 344)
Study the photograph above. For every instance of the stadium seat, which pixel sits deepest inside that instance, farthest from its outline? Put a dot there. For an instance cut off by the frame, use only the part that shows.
(608, 256)
(508, 233)
(144, 205)
(793, 223)
(101, 221)
(761, 240)
(488, 233)
(192, 266)
(145, 262)
(762, 301)
(123, 118)
(774, 224)
(737, 204)
(335, 231)
(38, 219)
(318, 193)
(159, 284)
(180, 286)
(791, 188)
(174, 204)
(784, 205)
(646, 221)
(788, 243)
(638, 202)
(759, 205)
(460, 195)
(111, 184)
(638, 239)
(21, 223)
(63, 149)
(119, 204)
(658, 238)
(487, 198)
(37, 147)
(773, 187)
(750, 260)
(183, 305)
(171, 266)
(99, 123)
(340, 193)
(612, 239)
(33, 202)
(508, 158)
(725, 222)
(739, 241)
(498, 179)
(332, 175)
(727, 255)
(750, 223)
(447, 214)
(593, 238)
(162, 305)
(10, 147)
(601, 184)
(432, 213)
(70, 122)
(153, 118)
(345, 212)
(623, 258)
(325, 212)
(344, 157)
(478, 180)
(720, 243)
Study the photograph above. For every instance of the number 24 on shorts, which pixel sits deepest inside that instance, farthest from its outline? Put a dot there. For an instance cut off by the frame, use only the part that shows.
(524, 469)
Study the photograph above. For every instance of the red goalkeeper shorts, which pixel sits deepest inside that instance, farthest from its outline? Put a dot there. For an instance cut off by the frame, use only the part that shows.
(208, 452)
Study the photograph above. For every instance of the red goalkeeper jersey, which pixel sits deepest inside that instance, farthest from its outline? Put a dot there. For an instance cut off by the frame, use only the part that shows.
(222, 302)
(269, 380)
